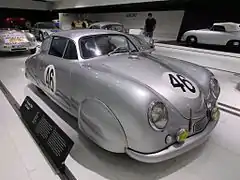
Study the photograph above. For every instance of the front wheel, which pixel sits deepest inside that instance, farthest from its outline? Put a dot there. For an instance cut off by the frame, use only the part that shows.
(191, 40)
(33, 51)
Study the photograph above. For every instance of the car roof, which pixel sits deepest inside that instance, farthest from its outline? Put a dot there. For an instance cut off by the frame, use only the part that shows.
(225, 23)
(78, 33)
(229, 26)
(105, 23)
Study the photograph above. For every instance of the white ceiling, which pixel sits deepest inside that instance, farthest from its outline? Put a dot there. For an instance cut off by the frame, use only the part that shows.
(62, 4)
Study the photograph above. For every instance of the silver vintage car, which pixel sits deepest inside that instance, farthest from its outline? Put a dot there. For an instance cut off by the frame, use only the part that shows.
(126, 98)
(115, 26)
(12, 40)
(44, 29)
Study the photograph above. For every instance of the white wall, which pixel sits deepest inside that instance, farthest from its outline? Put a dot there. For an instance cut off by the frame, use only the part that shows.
(87, 3)
(168, 22)
(24, 4)
(65, 20)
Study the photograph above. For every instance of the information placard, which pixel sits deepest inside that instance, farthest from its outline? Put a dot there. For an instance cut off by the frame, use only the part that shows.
(48, 134)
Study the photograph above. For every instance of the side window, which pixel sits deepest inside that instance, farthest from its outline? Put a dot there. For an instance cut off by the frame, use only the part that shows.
(218, 28)
(36, 25)
(57, 46)
(71, 51)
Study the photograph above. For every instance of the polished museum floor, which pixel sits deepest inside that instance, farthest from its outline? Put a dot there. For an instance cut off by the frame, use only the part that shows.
(218, 158)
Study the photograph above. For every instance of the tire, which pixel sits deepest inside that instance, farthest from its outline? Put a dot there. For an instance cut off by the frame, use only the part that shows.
(191, 41)
(33, 51)
(233, 45)
(41, 38)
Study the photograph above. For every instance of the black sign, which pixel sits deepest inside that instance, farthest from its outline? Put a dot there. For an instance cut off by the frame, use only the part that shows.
(131, 15)
(48, 134)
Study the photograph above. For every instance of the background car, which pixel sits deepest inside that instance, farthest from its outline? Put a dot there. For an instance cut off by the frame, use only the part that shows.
(42, 30)
(12, 40)
(225, 34)
(115, 26)
(127, 99)
(16, 22)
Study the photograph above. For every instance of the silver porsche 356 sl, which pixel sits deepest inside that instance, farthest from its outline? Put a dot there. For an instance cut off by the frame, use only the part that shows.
(126, 99)
(12, 40)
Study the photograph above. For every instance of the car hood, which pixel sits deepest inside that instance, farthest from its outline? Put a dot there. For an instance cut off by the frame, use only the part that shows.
(155, 73)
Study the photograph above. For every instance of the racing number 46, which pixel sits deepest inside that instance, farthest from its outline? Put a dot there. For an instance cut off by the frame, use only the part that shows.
(49, 78)
(178, 81)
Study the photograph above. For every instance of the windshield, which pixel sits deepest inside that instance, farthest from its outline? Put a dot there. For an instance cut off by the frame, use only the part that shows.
(140, 42)
(114, 27)
(46, 25)
(100, 45)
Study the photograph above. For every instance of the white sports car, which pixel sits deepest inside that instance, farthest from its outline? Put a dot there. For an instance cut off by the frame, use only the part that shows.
(225, 34)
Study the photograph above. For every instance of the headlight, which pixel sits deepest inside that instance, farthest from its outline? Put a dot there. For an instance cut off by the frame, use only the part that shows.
(157, 115)
(214, 87)
(45, 34)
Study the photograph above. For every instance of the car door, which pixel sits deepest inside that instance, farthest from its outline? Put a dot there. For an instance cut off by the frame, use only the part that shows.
(55, 71)
(217, 35)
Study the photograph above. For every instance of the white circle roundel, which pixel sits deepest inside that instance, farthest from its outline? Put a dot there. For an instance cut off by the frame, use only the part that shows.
(50, 78)
(181, 85)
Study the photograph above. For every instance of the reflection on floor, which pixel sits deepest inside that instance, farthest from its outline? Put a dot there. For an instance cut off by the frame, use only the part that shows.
(212, 59)
(200, 46)
(219, 158)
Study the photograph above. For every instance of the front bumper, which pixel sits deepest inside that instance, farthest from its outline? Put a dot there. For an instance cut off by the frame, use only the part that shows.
(17, 47)
(175, 149)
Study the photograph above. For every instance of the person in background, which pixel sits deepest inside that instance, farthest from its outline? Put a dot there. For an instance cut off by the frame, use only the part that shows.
(73, 25)
(150, 25)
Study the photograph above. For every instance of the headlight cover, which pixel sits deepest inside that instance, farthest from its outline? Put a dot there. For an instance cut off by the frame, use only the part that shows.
(214, 87)
(157, 115)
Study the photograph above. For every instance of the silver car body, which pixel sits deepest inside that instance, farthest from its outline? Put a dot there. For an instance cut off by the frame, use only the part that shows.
(12, 40)
(229, 32)
(44, 29)
(111, 95)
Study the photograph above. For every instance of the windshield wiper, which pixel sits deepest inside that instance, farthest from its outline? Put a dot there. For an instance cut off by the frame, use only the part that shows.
(116, 49)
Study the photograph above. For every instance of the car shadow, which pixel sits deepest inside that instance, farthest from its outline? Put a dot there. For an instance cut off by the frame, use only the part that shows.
(15, 54)
(111, 165)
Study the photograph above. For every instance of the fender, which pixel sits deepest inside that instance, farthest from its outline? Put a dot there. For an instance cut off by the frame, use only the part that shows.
(98, 122)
